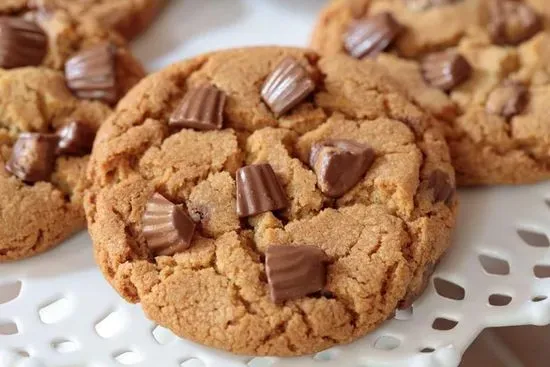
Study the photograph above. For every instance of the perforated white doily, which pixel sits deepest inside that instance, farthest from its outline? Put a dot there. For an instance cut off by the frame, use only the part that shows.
(58, 309)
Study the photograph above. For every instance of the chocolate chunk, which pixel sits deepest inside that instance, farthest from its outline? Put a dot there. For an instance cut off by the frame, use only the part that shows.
(339, 165)
(201, 108)
(75, 138)
(445, 70)
(91, 73)
(259, 190)
(22, 43)
(418, 5)
(166, 227)
(442, 186)
(295, 271)
(33, 157)
(287, 86)
(512, 22)
(368, 37)
(508, 100)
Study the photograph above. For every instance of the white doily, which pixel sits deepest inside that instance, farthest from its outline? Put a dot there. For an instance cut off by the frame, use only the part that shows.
(57, 307)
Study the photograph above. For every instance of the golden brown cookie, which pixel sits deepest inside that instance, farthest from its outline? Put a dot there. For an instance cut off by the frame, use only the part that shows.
(41, 190)
(65, 35)
(479, 65)
(269, 201)
(127, 17)
(49, 120)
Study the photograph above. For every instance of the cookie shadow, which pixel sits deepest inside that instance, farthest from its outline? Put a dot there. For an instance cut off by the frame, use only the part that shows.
(179, 22)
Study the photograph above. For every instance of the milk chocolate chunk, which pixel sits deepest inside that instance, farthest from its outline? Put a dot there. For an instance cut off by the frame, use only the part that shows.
(295, 271)
(340, 165)
(287, 86)
(370, 36)
(508, 100)
(259, 190)
(445, 70)
(512, 22)
(167, 228)
(75, 138)
(91, 73)
(22, 43)
(201, 108)
(33, 157)
(443, 188)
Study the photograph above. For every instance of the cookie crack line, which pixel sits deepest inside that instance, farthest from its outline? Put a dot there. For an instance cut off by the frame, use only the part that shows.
(245, 303)
(279, 330)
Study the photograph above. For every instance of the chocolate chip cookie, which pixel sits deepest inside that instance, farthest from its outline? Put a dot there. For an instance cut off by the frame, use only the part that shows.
(269, 201)
(127, 17)
(481, 66)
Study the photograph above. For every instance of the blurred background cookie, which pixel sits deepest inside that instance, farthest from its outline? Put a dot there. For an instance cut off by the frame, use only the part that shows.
(480, 66)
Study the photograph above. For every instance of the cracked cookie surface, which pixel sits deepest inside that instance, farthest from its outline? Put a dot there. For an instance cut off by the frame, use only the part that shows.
(382, 237)
(488, 145)
(36, 217)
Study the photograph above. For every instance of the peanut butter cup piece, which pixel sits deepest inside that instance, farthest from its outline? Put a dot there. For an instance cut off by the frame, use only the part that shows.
(259, 190)
(167, 228)
(295, 271)
(33, 157)
(512, 22)
(75, 138)
(91, 73)
(340, 165)
(201, 109)
(287, 86)
(443, 188)
(445, 70)
(22, 43)
(508, 100)
(370, 36)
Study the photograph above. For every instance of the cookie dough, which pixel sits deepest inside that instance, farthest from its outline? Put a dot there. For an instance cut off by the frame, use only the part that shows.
(494, 114)
(290, 254)
(127, 17)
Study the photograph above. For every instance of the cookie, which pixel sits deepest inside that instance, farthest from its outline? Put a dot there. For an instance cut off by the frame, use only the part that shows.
(126, 17)
(269, 201)
(40, 190)
(52, 36)
(480, 66)
(49, 120)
